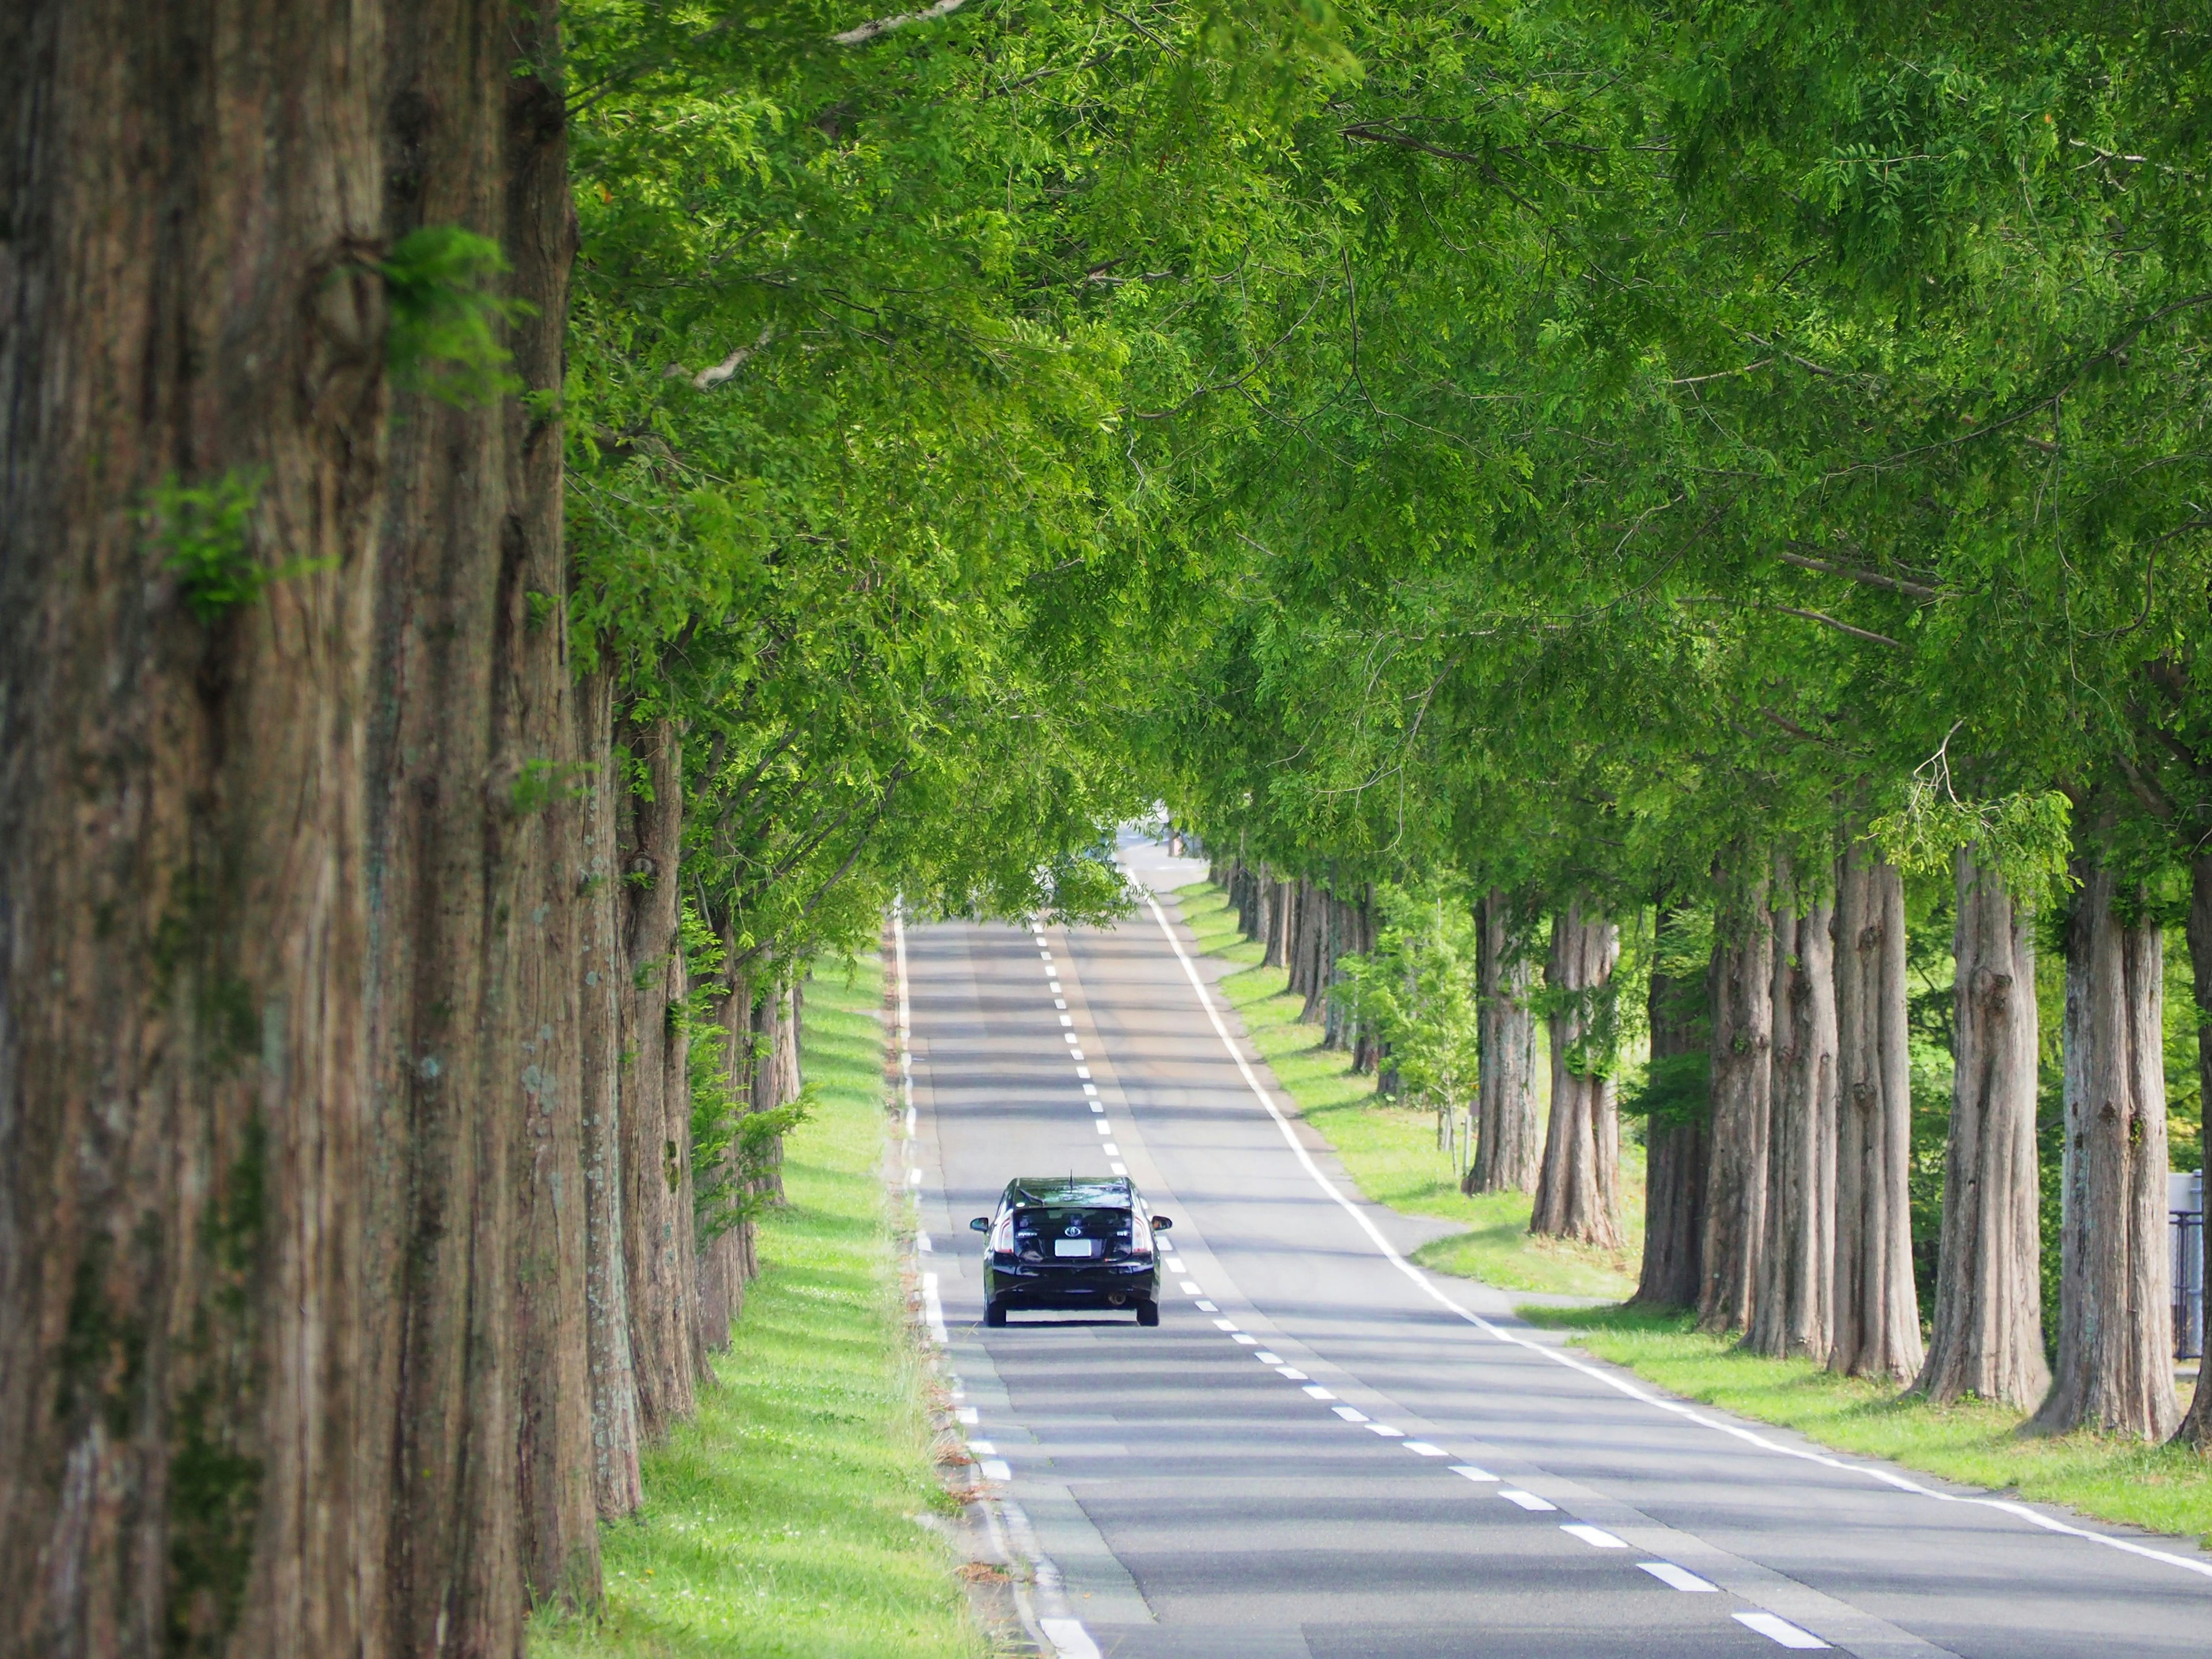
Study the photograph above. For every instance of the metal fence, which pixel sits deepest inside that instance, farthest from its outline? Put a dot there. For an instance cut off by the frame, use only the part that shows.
(2186, 1229)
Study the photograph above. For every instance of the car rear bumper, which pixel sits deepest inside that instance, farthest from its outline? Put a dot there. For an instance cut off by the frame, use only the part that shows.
(1106, 1284)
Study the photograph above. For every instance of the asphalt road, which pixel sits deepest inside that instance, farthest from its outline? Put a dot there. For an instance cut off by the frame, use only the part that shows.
(1318, 1455)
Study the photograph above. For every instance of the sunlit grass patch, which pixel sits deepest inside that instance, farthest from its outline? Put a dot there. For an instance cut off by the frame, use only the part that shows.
(780, 1522)
(1391, 1150)
(2167, 1489)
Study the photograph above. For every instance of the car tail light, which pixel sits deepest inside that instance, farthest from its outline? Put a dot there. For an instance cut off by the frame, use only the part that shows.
(1002, 1235)
(1140, 1235)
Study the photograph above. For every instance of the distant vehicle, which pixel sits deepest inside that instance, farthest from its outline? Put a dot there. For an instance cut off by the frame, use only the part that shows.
(1071, 1241)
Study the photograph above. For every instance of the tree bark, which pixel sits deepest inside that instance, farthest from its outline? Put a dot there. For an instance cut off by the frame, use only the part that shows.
(189, 202)
(1987, 1334)
(1675, 1141)
(544, 1062)
(1794, 1311)
(616, 1480)
(2197, 1427)
(1877, 1310)
(2115, 1369)
(1578, 1191)
(1282, 914)
(1742, 1001)
(1508, 1154)
(655, 1121)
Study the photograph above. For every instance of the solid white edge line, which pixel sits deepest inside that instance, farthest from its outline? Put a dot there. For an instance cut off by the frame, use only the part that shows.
(1069, 1639)
(934, 1311)
(2020, 1511)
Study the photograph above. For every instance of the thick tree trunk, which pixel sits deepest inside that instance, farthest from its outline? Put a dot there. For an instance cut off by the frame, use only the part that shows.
(1578, 1192)
(543, 1056)
(1508, 1153)
(1282, 917)
(1675, 1137)
(188, 200)
(655, 1119)
(1794, 1312)
(1987, 1335)
(722, 1256)
(1742, 1002)
(2115, 1369)
(1318, 955)
(2196, 1428)
(615, 1473)
(1877, 1310)
(1337, 1023)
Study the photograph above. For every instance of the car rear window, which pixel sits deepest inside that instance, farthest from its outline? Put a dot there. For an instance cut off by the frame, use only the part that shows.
(1070, 1234)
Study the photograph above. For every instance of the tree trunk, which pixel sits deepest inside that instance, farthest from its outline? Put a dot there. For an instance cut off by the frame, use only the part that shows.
(1282, 908)
(2115, 1369)
(615, 1474)
(1507, 1152)
(1987, 1336)
(1877, 1311)
(1742, 1001)
(722, 1257)
(559, 1512)
(183, 1154)
(1578, 1192)
(2196, 1428)
(1675, 1137)
(1794, 1312)
(655, 1119)
(1343, 941)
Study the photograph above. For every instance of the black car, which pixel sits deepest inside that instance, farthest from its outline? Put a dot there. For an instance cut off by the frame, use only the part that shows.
(1071, 1241)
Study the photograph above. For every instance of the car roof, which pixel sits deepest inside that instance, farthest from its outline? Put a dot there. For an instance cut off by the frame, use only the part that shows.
(1114, 1191)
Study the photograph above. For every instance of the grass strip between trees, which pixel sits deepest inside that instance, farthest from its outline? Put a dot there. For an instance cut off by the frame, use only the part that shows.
(1391, 1150)
(782, 1521)
(2165, 1488)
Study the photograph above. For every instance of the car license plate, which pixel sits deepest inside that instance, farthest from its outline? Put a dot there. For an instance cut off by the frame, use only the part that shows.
(1071, 1246)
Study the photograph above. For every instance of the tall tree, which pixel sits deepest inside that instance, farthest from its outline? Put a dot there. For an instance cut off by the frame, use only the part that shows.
(1986, 1339)
(1793, 1310)
(1578, 1190)
(1508, 1152)
(2114, 1367)
(1877, 1313)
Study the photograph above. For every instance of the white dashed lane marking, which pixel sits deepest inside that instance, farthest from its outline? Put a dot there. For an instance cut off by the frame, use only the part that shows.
(1526, 1500)
(1680, 1578)
(1204, 1306)
(1472, 1472)
(1423, 1449)
(1319, 1392)
(1596, 1537)
(1779, 1631)
(1386, 1431)
(1350, 1413)
(1190, 1288)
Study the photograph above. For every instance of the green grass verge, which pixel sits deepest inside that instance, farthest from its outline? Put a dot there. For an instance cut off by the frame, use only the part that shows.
(1391, 1151)
(781, 1522)
(2167, 1489)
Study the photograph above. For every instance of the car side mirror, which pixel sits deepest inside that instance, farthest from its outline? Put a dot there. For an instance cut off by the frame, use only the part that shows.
(981, 1224)
(1161, 1224)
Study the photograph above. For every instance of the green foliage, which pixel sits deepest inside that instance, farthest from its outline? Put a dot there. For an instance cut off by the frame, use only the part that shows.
(441, 283)
(204, 535)
(1419, 988)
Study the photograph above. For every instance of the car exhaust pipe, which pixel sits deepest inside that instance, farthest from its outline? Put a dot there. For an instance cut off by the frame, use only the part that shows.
(1117, 1297)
